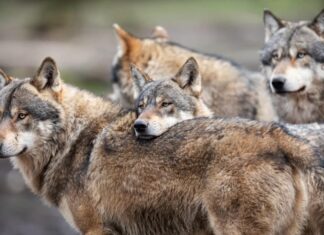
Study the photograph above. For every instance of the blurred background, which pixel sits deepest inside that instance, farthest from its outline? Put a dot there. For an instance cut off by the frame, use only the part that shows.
(78, 35)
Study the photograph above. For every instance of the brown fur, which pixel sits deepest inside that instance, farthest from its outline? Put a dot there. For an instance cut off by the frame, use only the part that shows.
(163, 103)
(227, 176)
(314, 134)
(228, 89)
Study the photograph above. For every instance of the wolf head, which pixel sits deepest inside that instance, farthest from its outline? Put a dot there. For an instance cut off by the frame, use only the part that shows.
(29, 112)
(133, 50)
(163, 103)
(293, 54)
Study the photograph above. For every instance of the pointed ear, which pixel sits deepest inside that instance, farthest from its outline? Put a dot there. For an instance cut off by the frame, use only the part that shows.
(318, 24)
(160, 34)
(4, 79)
(140, 79)
(126, 41)
(188, 77)
(47, 76)
(271, 23)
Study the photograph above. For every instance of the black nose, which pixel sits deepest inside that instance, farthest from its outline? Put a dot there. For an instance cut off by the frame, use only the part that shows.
(278, 83)
(140, 126)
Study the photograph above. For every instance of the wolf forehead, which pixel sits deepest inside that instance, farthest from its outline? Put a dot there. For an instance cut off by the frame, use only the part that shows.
(164, 89)
(295, 35)
(19, 94)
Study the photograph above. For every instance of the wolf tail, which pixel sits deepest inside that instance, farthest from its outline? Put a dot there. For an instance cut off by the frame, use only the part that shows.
(298, 150)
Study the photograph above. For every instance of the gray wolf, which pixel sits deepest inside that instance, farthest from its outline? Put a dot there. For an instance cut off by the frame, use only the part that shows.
(293, 62)
(163, 103)
(229, 90)
(202, 176)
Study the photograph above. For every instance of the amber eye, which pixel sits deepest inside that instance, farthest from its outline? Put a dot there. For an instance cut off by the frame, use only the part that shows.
(165, 104)
(275, 55)
(141, 105)
(300, 55)
(22, 116)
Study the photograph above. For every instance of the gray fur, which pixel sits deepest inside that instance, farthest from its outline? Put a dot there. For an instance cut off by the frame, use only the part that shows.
(2, 81)
(272, 24)
(139, 78)
(317, 51)
(15, 94)
(192, 180)
(318, 23)
(188, 77)
(313, 132)
(296, 107)
(168, 89)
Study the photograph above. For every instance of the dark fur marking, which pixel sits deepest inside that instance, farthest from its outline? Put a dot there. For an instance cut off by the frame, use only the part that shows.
(39, 109)
(192, 76)
(49, 76)
(280, 159)
(266, 57)
(76, 160)
(85, 164)
(43, 173)
(7, 107)
(115, 70)
(113, 228)
(321, 162)
(220, 137)
(291, 36)
(317, 51)
(42, 110)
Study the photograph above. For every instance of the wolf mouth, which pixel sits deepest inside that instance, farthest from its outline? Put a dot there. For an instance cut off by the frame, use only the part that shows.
(13, 155)
(291, 92)
(146, 137)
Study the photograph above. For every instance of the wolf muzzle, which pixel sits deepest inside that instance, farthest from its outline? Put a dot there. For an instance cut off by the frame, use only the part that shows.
(278, 84)
(140, 126)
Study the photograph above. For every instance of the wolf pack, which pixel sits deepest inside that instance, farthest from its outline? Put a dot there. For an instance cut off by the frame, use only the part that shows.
(187, 143)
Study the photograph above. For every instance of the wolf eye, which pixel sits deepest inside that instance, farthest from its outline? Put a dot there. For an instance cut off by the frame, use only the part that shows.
(22, 116)
(141, 105)
(165, 104)
(300, 55)
(275, 55)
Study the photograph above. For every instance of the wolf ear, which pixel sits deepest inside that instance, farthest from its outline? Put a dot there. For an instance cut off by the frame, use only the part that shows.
(188, 77)
(47, 76)
(4, 79)
(318, 24)
(160, 34)
(126, 41)
(140, 79)
(271, 23)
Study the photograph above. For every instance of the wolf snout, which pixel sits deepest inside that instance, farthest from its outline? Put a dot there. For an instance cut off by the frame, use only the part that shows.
(140, 126)
(278, 84)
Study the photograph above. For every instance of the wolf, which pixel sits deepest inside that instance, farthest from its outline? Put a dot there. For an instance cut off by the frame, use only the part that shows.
(165, 102)
(202, 176)
(229, 90)
(293, 61)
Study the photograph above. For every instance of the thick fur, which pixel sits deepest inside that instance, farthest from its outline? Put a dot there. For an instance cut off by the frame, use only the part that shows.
(228, 89)
(204, 176)
(294, 54)
(314, 133)
(166, 102)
